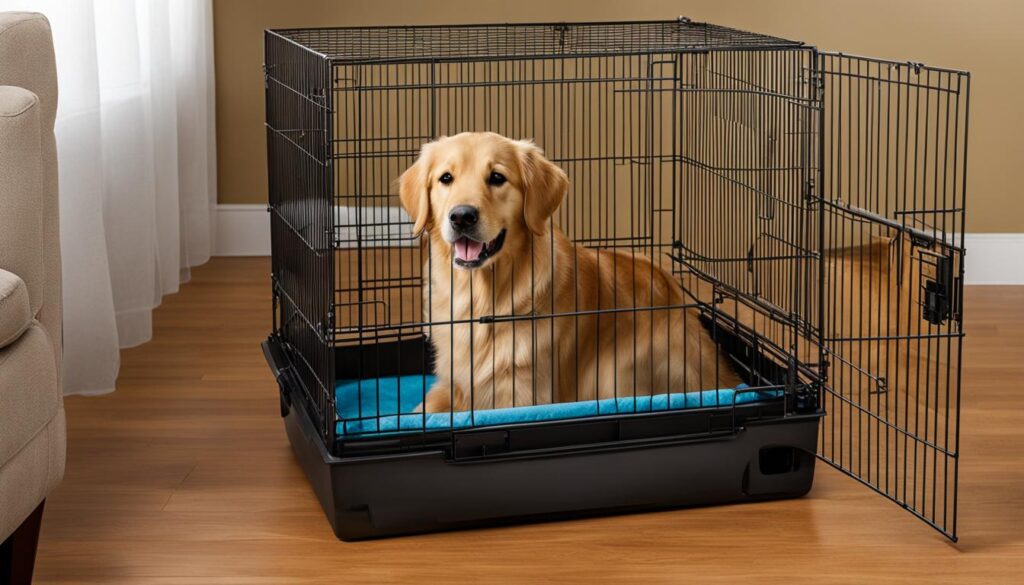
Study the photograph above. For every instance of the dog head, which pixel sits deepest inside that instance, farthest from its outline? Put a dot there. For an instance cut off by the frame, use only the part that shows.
(479, 193)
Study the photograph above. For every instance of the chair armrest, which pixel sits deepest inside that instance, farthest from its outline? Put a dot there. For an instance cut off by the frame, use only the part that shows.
(15, 313)
(21, 191)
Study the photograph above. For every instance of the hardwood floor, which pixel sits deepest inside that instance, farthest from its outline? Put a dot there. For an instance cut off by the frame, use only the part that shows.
(184, 476)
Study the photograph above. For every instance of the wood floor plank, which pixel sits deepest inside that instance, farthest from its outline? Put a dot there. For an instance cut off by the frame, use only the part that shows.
(184, 476)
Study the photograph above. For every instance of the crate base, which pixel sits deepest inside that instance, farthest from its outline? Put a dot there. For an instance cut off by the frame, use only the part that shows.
(423, 491)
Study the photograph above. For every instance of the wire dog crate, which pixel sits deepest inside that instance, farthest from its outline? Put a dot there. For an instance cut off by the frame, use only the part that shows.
(806, 207)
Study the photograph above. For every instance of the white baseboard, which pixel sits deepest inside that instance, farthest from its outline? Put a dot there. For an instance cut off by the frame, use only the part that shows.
(994, 258)
(244, 230)
(389, 226)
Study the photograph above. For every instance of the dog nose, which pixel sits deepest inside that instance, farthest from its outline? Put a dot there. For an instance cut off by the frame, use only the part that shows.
(463, 216)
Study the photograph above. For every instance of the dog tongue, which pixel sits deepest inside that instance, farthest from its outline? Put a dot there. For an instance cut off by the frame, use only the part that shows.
(468, 250)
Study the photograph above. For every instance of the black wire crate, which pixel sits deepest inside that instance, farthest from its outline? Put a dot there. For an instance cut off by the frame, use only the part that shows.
(537, 271)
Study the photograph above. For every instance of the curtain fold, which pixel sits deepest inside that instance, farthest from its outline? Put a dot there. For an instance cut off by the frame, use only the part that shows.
(136, 150)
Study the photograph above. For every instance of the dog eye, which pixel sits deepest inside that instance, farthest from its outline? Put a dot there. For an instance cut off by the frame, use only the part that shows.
(496, 179)
(447, 178)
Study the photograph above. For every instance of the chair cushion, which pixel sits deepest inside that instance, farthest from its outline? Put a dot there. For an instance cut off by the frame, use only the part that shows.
(15, 312)
(29, 396)
(31, 474)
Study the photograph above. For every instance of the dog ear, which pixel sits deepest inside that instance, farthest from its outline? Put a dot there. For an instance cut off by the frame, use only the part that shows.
(414, 191)
(544, 186)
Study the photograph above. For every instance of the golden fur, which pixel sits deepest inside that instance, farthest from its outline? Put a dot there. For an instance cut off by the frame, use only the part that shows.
(525, 358)
(873, 301)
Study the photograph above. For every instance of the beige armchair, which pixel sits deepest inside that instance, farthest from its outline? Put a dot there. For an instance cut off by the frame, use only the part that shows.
(32, 431)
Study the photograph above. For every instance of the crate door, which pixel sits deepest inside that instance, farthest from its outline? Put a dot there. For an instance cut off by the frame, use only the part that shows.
(892, 193)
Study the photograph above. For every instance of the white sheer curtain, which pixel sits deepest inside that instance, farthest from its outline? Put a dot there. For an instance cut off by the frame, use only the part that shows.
(136, 149)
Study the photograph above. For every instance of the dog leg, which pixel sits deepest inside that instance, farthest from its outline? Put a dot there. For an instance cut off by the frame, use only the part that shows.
(438, 399)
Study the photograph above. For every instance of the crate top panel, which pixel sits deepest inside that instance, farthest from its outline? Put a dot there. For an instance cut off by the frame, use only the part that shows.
(518, 41)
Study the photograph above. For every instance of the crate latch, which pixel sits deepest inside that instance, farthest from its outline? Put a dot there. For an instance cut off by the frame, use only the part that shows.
(480, 444)
(938, 293)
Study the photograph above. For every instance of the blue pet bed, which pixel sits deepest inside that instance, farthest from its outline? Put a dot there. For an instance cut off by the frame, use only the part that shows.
(385, 405)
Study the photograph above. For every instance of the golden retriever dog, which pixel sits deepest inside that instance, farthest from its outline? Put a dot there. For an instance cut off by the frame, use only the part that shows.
(562, 322)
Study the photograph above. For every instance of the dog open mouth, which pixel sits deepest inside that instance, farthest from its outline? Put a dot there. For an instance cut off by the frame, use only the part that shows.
(470, 253)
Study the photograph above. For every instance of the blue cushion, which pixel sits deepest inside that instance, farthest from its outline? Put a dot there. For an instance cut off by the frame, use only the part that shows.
(385, 405)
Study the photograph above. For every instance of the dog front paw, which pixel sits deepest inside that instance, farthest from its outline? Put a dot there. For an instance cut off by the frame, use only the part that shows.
(437, 400)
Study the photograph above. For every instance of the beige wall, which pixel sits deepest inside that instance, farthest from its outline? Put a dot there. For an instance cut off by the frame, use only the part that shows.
(981, 36)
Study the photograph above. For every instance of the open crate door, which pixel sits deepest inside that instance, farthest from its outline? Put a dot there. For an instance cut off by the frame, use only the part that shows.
(892, 186)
